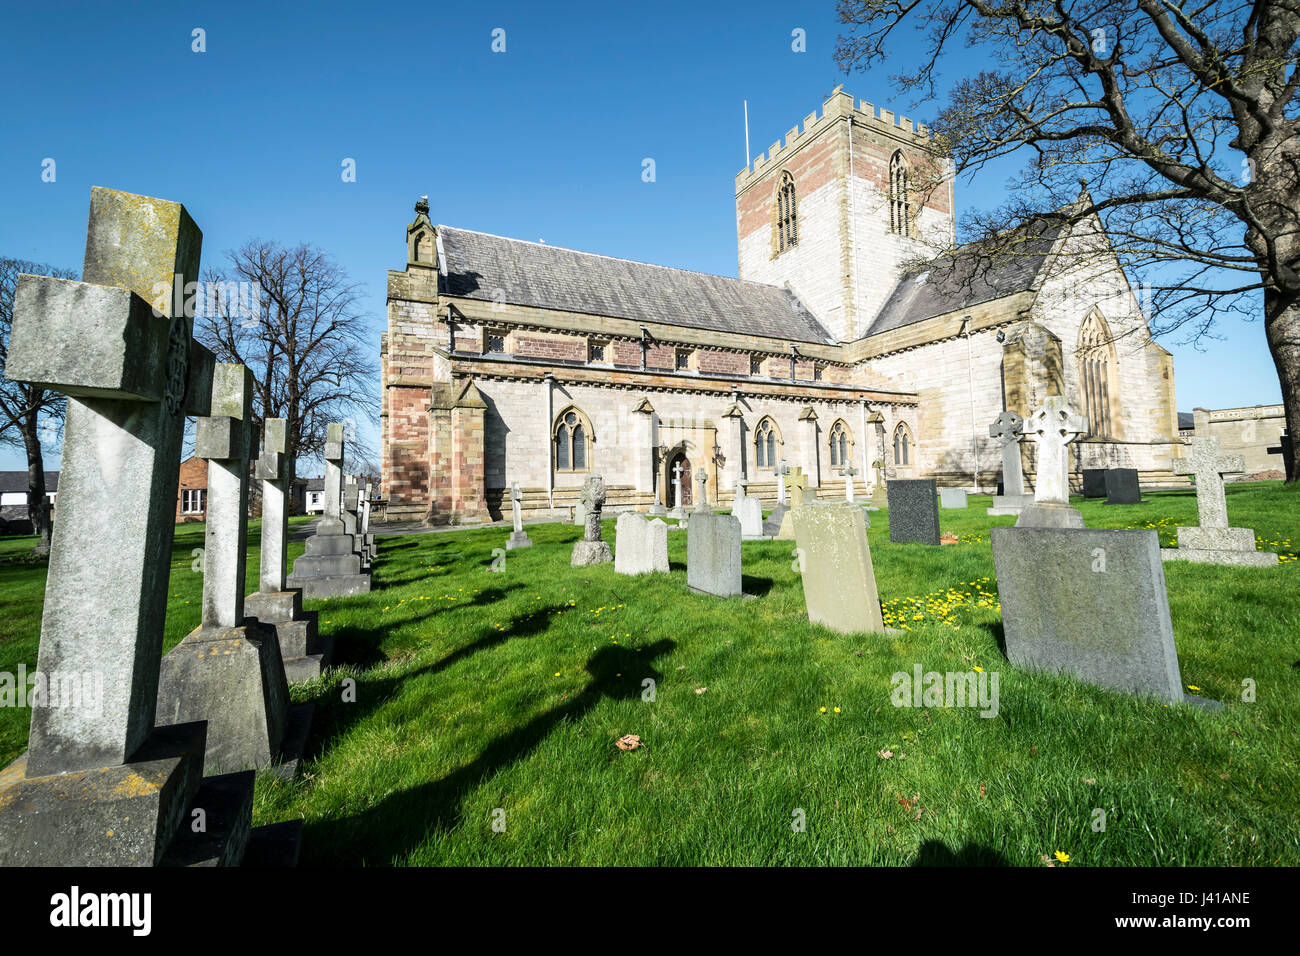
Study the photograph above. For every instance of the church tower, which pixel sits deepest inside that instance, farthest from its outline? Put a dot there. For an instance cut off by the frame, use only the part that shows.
(836, 210)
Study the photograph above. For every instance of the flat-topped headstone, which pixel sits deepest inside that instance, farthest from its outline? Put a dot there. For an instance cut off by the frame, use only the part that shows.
(1122, 487)
(303, 649)
(1053, 427)
(1089, 602)
(1094, 482)
(713, 554)
(518, 537)
(331, 566)
(228, 671)
(913, 510)
(641, 545)
(103, 785)
(839, 583)
(952, 498)
(591, 549)
(1214, 542)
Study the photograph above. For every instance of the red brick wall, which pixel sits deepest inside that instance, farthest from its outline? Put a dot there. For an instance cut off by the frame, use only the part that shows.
(570, 348)
(193, 474)
(405, 464)
(733, 363)
(812, 167)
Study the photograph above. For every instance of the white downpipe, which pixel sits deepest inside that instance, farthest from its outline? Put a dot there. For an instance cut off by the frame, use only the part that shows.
(550, 446)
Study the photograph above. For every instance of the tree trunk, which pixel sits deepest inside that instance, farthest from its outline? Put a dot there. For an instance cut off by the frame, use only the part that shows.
(1282, 326)
(38, 507)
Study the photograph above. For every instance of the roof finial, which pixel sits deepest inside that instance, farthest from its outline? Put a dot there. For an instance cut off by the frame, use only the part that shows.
(422, 206)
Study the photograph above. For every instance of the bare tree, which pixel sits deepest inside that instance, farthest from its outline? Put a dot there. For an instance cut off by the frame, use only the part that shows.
(28, 410)
(291, 315)
(1180, 118)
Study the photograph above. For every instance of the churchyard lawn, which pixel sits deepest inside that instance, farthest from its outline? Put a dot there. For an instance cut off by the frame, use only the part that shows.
(486, 707)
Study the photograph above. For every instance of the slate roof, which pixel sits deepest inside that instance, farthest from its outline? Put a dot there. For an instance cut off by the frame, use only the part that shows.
(15, 482)
(551, 277)
(1186, 420)
(966, 278)
(316, 484)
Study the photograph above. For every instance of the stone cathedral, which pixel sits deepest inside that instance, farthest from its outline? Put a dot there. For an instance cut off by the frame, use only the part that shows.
(509, 362)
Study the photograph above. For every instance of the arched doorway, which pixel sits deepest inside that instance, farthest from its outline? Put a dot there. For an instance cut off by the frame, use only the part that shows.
(679, 459)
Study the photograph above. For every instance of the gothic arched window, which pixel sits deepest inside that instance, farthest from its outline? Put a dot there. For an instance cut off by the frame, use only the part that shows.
(572, 439)
(1098, 374)
(766, 442)
(900, 204)
(902, 445)
(840, 440)
(787, 217)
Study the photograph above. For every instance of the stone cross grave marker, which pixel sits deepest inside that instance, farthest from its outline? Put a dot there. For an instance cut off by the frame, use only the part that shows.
(678, 510)
(103, 785)
(702, 495)
(363, 521)
(1214, 542)
(848, 472)
(1053, 427)
(592, 549)
(131, 374)
(1008, 429)
(228, 671)
(304, 651)
(782, 469)
(518, 538)
(331, 565)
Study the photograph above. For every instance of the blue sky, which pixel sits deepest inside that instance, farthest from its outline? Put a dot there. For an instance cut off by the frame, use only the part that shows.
(545, 140)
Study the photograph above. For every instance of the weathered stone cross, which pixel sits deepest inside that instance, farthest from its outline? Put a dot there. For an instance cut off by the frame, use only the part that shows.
(848, 471)
(1204, 462)
(677, 485)
(132, 374)
(275, 470)
(1007, 429)
(798, 483)
(332, 523)
(517, 506)
(1054, 426)
(223, 439)
(702, 500)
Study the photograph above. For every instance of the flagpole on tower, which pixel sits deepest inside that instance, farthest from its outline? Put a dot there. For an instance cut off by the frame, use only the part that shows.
(747, 134)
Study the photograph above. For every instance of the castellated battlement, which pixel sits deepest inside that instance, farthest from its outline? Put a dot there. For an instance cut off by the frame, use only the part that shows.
(836, 107)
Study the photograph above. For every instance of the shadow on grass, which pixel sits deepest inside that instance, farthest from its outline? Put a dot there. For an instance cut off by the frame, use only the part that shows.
(361, 646)
(936, 853)
(755, 586)
(403, 821)
(999, 633)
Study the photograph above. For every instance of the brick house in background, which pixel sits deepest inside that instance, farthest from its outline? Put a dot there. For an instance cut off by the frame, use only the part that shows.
(192, 490)
(13, 500)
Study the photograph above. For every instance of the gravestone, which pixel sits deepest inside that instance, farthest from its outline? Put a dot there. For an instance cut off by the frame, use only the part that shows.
(749, 512)
(642, 545)
(591, 549)
(331, 565)
(1286, 449)
(1053, 427)
(304, 651)
(848, 472)
(701, 492)
(799, 495)
(1008, 429)
(1094, 482)
(782, 470)
(913, 510)
(678, 510)
(104, 785)
(363, 522)
(713, 554)
(1122, 487)
(952, 498)
(518, 538)
(580, 514)
(1214, 542)
(350, 514)
(227, 671)
(1090, 602)
(839, 583)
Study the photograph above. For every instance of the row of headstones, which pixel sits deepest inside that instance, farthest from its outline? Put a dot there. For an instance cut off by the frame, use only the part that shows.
(135, 758)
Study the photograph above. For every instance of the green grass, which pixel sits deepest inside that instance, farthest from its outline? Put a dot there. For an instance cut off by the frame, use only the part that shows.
(478, 691)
